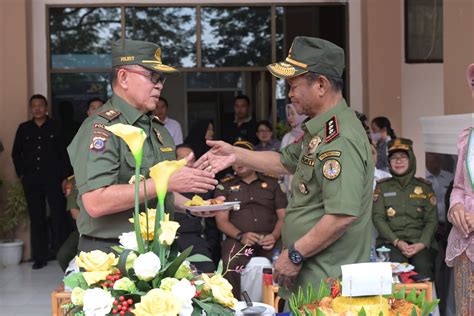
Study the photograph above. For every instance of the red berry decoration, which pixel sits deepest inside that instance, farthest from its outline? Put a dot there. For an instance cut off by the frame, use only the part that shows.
(119, 307)
(125, 304)
(124, 308)
(121, 298)
(130, 301)
(114, 311)
(104, 284)
(122, 313)
(115, 302)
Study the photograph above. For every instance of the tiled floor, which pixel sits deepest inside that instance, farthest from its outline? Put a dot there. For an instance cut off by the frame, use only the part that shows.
(24, 291)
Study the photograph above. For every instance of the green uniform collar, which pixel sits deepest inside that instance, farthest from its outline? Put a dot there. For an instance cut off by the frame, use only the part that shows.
(130, 113)
(317, 123)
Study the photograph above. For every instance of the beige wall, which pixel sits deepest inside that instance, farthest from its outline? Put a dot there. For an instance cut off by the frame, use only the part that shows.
(458, 54)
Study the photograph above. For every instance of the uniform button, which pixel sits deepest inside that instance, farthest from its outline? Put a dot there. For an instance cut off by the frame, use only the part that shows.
(38, 158)
(251, 198)
(39, 137)
(37, 168)
(39, 147)
(255, 220)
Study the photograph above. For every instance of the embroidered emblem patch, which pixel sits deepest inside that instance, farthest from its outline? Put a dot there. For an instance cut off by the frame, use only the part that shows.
(331, 169)
(98, 143)
(313, 145)
(418, 190)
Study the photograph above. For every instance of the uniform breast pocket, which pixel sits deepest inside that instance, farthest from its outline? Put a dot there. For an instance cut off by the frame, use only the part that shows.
(416, 208)
(305, 187)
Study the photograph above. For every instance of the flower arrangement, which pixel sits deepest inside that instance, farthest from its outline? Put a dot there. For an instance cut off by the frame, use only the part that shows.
(147, 275)
(329, 302)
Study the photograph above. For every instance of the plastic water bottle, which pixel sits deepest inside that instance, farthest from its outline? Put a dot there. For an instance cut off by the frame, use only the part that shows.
(373, 256)
(276, 254)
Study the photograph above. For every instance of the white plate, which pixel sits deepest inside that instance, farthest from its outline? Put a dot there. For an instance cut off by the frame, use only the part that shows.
(215, 207)
(401, 267)
(241, 305)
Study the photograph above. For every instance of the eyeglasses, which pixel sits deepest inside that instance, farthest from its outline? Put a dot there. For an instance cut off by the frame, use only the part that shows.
(403, 158)
(154, 77)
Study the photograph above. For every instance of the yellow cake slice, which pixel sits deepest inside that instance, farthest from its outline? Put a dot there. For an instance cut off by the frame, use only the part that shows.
(371, 304)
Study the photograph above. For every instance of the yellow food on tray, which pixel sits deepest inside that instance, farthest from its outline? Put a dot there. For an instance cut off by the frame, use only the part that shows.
(372, 305)
(199, 201)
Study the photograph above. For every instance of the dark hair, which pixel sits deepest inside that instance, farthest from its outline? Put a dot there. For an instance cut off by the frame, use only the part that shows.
(38, 97)
(183, 145)
(265, 123)
(94, 100)
(164, 101)
(363, 119)
(197, 137)
(335, 82)
(242, 97)
(383, 122)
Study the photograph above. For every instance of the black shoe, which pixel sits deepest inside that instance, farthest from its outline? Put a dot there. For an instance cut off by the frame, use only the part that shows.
(39, 264)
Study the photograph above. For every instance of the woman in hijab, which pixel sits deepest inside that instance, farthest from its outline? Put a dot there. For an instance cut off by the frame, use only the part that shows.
(201, 131)
(294, 120)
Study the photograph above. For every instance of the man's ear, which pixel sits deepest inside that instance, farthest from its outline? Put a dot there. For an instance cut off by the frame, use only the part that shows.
(122, 78)
(323, 85)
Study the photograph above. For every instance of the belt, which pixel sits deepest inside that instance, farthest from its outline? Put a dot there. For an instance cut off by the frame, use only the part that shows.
(109, 240)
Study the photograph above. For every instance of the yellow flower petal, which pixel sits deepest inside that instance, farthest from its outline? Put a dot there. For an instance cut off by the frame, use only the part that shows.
(158, 302)
(133, 136)
(161, 172)
(96, 260)
(168, 231)
(94, 277)
(151, 223)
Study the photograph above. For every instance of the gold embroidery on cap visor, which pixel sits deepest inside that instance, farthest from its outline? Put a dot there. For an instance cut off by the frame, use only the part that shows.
(285, 70)
(157, 63)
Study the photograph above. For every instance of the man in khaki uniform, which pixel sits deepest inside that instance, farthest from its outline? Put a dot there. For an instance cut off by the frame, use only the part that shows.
(404, 211)
(103, 163)
(328, 216)
(258, 220)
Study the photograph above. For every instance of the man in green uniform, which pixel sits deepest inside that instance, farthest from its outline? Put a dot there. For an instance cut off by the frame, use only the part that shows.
(103, 164)
(404, 211)
(328, 215)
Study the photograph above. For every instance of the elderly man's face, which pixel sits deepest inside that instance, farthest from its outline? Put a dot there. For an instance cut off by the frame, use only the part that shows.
(303, 94)
(142, 93)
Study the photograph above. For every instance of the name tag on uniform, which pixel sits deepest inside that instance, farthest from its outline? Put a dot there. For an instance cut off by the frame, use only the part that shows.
(166, 149)
(389, 194)
(307, 161)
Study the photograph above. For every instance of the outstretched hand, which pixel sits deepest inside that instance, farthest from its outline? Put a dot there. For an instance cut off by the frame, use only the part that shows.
(219, 157)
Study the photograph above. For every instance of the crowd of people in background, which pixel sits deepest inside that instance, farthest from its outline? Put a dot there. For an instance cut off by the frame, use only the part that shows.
(41, 162)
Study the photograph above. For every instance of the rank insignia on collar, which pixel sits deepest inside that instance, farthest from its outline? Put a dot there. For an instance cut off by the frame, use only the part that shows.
(332, 129)
(331, 169)
(303, 188)
(158, 135)
(418, 190)
(313, 144)
(110, 114)
(391, 212)
(98, 143)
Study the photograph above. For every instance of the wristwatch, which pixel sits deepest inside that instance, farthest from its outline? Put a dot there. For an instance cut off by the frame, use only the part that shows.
(295, 256)
(239, 236)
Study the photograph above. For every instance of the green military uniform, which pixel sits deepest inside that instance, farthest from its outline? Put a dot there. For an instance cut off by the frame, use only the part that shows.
(332, 167)
(68, 249)
(404, 209)
(101, 159)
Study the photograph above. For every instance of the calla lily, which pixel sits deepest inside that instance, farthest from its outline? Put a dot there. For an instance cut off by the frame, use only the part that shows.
(168, 231)
(133, 136)
(161, 172)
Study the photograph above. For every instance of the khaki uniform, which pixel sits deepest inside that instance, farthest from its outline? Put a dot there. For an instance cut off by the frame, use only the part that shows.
(259, 201)
(333, 174)
(102, 159)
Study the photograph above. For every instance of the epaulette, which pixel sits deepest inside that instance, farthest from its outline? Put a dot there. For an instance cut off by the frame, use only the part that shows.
(110, 115)
(157, 119)
(423, 180)
(270, 175)
(227, 179)
(332, 129)
(383, 180)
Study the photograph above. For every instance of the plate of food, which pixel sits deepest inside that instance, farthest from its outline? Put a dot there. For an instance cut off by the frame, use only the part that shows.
(198, 204)
(401, 267)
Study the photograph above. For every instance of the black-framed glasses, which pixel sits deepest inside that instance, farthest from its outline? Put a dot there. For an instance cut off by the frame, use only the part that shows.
(154, 77)
(402, 158)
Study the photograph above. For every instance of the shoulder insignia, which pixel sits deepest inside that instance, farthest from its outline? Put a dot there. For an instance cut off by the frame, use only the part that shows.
(227, 179)
(298, 139)
(383, 180)
(157, 119)
(110, 114)
(331, 169)
(270, 175)
(332, 129)
(327, 154)
(427, 182)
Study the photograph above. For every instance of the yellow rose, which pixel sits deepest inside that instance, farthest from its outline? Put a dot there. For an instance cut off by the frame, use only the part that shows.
(96, 260)
(151, 223)
(158, 302)
(167, 231)
(95, 277)
(133, 136)
(161, 172)
(220, 288)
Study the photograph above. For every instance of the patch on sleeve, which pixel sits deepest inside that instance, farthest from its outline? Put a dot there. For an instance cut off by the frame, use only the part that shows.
(331, 169)
(332, 129)
(376, 195)
(328, 154)
(98, 142)
(110, 115)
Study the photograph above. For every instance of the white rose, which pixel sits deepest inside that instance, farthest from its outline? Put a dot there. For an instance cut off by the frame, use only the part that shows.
(97, 302)
(147, 266)
(185, 291)
(129, 241)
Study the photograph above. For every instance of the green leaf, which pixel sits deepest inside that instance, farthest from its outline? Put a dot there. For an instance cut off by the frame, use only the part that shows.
(413, 311)
(117, 249)
(323, 291)
(122, 262)
(220, 267)
(412, 296)
(143, 286)
(420, 299)
(171, 270)
(319, 312)
(400, 295)
(156, 282)
(307, 311)
(362, 312)
(428, 307)
(213, 308)
(76, 280)
(198, 258)
(197, 311)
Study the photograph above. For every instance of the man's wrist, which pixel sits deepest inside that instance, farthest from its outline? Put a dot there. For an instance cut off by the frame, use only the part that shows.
(295, 256)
